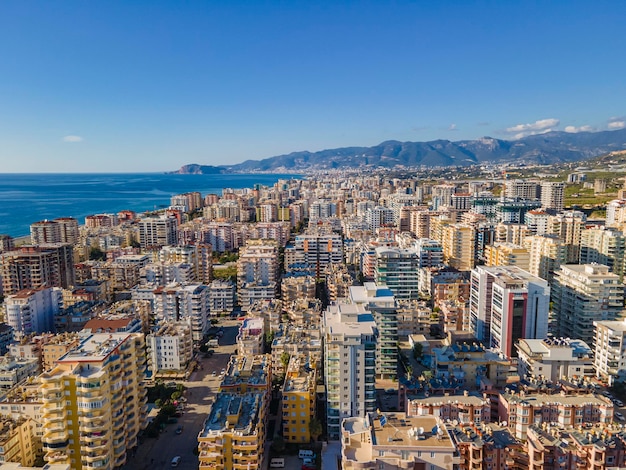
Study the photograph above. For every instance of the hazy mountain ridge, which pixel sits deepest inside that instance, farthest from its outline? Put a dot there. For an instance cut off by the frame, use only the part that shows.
(546, 148)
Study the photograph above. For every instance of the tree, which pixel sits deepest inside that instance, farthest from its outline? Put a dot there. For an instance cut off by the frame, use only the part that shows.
(176, 395)
(315, 428)
(158, 403)
(278, 444)
(418, 351)
(96, 253)
(284, 360)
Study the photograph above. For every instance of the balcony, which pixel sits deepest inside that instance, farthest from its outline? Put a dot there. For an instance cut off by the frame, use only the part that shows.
(58, 457)
(55, 439)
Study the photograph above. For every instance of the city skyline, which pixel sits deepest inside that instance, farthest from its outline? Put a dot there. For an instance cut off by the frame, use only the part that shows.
(153, 86)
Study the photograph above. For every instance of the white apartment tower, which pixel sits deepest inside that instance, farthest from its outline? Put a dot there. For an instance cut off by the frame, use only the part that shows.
(349, 363)
(583, 294)
(552, 195)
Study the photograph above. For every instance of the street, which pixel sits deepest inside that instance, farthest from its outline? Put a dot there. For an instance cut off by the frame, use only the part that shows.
(202, 386)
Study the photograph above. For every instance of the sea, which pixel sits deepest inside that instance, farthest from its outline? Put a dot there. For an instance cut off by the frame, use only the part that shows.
(29, 198)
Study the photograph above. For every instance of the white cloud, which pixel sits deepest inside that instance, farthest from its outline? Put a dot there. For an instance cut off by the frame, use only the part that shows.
(541, 126)
(616, 124)
(574, 129)
(72, 138)
(452, 127)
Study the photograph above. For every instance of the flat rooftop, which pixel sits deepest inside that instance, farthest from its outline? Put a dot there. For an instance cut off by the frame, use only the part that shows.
(233, 412)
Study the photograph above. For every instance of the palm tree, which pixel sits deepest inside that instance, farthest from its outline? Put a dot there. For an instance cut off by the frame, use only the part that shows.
(315, 428)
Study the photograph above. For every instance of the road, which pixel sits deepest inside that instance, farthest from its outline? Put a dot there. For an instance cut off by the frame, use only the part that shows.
(202, 387)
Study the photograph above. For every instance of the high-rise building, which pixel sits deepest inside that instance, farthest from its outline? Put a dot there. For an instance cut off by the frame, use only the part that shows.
(32, 310)
(298, 390)
(28, 267)
(349, 364)
(568, 226)
(547, 253)
(603, 246)
(157, 232)
(583, 294)
(45, 231)
(519, 308)
(170, 348)
(507, 254)
(189, 302)
(94, 402)
(257, 271)
(537, 221)
(458, 242)
(380, 301)
(233, 435)
(610, 357)
(378, 217)
(521, 189)
(398, 269)
(318, 248)
(507, 304)
(552, 195)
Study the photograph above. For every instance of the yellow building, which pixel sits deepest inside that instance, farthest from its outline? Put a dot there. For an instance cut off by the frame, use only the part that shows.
(457, 241)
(94, 402)
(298, 400)
(17, 442)
(507, 254)
(233, 435)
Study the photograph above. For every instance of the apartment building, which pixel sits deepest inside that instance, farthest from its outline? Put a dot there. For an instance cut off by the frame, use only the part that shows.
(170, 348)
(394, 441)
(94, 402)
(473, 367)
(522, 189)
(17, 441)
(507, 254)
(176, 302)
(398, 269)
(554, 358)
(298, 287)
(598, 447)
(488, 446)
(568, 226)
(250, 337)
(583, 294)
(547, 253)
(233, 435)
(463, 408)
(296, 341)
(381, 302)
(247, 374)
(521, 410)
(603, 245)
(257, 271)
(552, 195)
(32, 310)
(610, 344)
(29, 267)
(298, 399)
(350, 337)
(157, 232)
(222, 296)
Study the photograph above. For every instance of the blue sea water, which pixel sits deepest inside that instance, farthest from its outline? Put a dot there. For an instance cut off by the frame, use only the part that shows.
(28, 198)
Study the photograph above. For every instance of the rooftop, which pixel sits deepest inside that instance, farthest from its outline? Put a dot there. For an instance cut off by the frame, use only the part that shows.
(234, 413)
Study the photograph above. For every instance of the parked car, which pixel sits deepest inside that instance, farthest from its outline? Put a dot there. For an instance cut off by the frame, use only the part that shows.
(176, 461)
(619, 416)
(179, 430)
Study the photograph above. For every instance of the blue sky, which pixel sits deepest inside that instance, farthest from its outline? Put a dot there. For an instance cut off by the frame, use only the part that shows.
(152, 85)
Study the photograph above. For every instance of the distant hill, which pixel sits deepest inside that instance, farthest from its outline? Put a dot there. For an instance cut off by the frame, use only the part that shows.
(547, 148)
(195, 169)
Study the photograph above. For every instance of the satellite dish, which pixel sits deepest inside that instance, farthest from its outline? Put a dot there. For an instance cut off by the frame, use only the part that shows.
(411, 432)
(440, 432)
(455, 422)
(420, 431)
(504, 423)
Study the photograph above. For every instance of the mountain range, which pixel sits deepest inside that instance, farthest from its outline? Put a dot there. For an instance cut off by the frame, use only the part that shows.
(548, 148)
